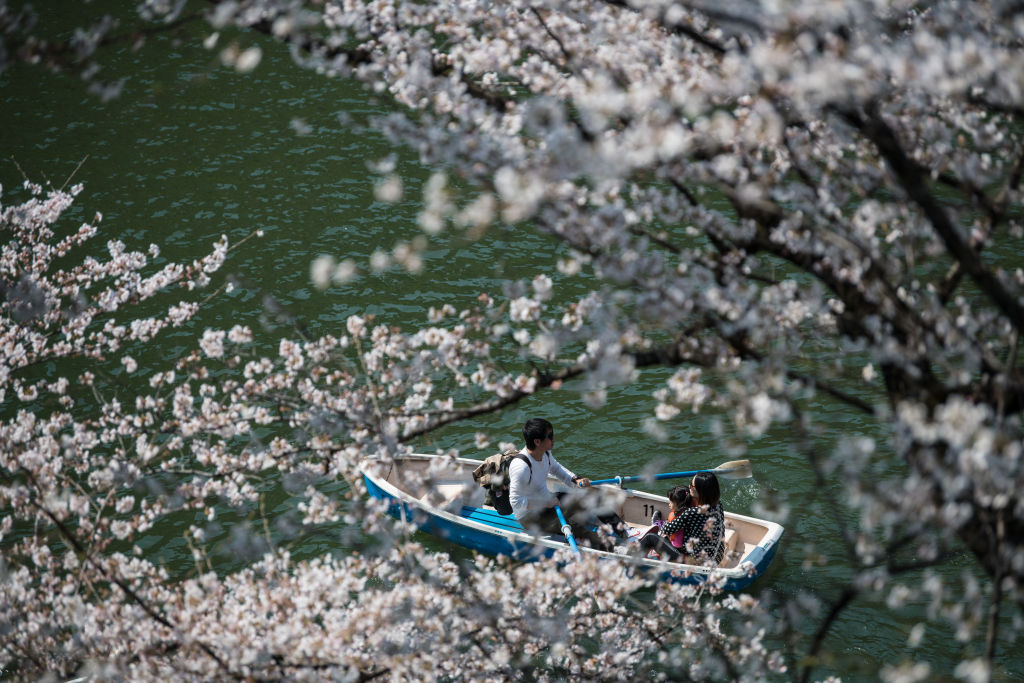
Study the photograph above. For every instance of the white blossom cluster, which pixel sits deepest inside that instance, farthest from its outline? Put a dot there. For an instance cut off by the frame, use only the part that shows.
(409, 615)
(775, 196)
(783, 202)
(72, 312)
(81, 491)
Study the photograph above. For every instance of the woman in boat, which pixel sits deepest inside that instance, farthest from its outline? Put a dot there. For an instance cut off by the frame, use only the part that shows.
(695, 528)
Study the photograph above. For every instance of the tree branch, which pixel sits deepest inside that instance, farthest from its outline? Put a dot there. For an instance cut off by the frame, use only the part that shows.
(683, 30)
(911, 177)
(125, 588)
(847, 596)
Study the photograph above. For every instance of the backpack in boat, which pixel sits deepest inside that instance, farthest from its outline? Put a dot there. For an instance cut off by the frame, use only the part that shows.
(492, 474)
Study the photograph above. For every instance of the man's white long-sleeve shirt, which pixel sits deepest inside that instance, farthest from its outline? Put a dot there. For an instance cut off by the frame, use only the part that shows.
(528, 484)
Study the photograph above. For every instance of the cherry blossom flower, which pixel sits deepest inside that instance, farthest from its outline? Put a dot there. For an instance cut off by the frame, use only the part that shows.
(781, 204)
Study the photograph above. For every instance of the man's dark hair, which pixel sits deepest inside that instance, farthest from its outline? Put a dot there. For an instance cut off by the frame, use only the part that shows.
(708, 491)
(536, 429)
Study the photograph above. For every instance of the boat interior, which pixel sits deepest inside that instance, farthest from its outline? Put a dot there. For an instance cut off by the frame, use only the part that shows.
(449, 485)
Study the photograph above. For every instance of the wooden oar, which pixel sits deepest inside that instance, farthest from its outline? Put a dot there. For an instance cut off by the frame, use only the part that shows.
(735, 469)
(567, 530)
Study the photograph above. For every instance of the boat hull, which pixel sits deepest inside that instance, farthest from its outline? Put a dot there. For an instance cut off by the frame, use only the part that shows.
(490, 541)
(466, 522)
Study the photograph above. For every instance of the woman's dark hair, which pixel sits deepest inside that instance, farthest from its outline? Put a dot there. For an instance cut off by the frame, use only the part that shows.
(706, 485)
(536, 429)
(679, 496)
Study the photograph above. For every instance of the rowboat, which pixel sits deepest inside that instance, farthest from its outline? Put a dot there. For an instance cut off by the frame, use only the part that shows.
(437, 494)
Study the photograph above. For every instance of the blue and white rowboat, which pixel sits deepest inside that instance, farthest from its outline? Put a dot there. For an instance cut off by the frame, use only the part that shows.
(438, 494)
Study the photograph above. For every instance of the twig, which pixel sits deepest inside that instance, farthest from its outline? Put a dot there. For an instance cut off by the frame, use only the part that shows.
(997, 594)
(80, 164)
(551, 34)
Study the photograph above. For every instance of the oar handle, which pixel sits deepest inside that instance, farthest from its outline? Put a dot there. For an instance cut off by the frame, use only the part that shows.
(567, 530)
(613, 480)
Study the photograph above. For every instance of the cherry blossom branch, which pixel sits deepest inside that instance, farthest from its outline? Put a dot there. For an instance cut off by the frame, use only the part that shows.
(912, 179)
(846, 597)
(547, 29)
(125, 588)
(683, 29)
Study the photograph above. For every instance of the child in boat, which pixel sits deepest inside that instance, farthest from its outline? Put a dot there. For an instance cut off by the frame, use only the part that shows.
(695, 527)
(668, 547)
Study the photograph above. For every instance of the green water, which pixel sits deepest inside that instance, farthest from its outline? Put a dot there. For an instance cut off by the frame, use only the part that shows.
(192, 150)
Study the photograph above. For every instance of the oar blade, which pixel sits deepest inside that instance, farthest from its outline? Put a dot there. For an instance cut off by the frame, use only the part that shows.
(735, 469)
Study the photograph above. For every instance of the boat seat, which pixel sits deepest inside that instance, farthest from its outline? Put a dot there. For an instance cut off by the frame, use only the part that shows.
(454, 494)
(490, 516)
(746, 549)
(733, 551)
(731, 540)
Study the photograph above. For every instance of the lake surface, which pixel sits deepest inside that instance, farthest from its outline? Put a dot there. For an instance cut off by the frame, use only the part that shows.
(192, 150)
